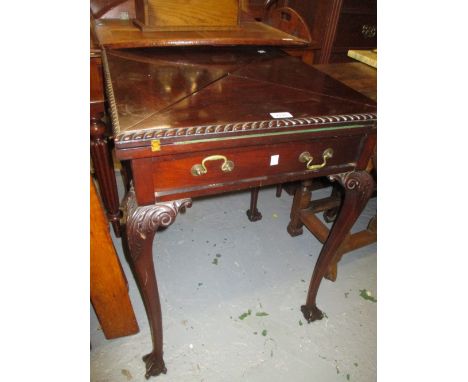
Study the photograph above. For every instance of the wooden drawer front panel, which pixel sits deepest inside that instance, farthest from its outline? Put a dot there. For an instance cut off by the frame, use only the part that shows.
(358, 31)
(359, 6)
(254, 163)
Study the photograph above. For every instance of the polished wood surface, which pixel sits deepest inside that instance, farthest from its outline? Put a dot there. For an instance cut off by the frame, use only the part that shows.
(352, 25)
(108, 286)
(363, 79)
(99, 139)
(112, 9)
(179, 182)
(125, 34)
(186, 15)
(290, 21)
(356, 75)
(198, 121)
(173, 88)
(358, 187)
(337, 26)
(165, 96)
(256, 8)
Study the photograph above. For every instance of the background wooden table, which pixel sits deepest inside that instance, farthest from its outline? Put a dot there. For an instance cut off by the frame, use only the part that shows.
(356, 75)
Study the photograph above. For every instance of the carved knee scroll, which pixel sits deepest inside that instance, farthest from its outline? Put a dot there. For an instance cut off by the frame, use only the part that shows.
(358, 185)
(142, 222)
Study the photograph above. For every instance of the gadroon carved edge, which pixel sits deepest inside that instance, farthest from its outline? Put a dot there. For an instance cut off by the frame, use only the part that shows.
(207, 131)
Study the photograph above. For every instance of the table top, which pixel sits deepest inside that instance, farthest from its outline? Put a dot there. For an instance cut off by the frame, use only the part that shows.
(113, 33)
(356, 75)
(180, 93)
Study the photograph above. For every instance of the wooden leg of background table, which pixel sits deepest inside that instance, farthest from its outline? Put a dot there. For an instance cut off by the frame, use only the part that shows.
(350, 243)
(253, 213)
(141, 226)
(330, 215)
(358, 187)
(279, 190)
(301, 200)
(126, 174)
(104, 169)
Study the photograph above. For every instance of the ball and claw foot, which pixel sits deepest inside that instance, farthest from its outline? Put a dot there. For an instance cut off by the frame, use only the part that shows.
(255, 216)
(330, 215)
(154, 365)
(294, 231)
(311, 313)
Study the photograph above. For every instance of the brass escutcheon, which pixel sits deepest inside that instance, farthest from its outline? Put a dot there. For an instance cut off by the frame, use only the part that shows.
(305, 157)
(200, 169)
(369, 31)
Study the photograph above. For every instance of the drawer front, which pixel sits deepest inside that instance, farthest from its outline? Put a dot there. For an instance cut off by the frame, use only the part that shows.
(356, 30)
(217, 169)
(359, 6)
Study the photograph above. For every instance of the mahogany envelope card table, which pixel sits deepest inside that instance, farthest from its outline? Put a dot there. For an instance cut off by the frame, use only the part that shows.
(198, 121)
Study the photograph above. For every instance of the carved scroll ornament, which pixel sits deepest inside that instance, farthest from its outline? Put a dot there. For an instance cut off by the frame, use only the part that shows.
(144, 221)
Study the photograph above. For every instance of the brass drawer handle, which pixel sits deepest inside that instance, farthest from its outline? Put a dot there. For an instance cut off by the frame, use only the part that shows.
(305, 157)
(200, 169)
(369, 31)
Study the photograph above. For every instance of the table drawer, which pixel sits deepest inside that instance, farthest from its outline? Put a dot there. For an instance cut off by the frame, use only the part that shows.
(226, 167)
(356, 30)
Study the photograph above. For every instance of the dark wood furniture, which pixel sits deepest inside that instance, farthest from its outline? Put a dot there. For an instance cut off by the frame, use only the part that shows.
(186, 15)
(337, 26)
(108, 285)
(356, 75)
(125, 34)
(197, 121)
(288, 20)
(113, 24)
(363, 79)
(334, 27)
(99, 139)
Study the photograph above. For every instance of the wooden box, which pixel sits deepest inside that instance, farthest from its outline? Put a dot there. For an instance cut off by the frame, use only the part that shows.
(186, 14)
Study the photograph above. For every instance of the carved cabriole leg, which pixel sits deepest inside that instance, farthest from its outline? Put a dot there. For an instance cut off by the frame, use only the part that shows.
(358, 187)
(301, 201)
(102, 161)
(332, 272)
(141, 226)
(253, 213)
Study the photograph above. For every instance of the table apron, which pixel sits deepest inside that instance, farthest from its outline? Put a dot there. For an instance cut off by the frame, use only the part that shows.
(172, 176)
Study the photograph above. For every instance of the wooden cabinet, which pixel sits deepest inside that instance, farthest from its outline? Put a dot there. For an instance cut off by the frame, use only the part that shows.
(338, 25)
(355, 27)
